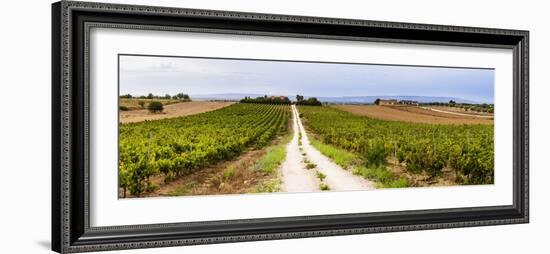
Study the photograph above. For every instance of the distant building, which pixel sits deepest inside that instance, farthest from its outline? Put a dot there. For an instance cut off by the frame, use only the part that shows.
(408, 102)
(389, 102)
(386, 102)
(278, 97)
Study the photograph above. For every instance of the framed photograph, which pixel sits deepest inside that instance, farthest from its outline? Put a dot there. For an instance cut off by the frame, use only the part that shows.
(182, 126)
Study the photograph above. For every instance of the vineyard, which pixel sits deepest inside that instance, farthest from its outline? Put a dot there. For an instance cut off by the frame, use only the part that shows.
(179, 146)
(421, 148)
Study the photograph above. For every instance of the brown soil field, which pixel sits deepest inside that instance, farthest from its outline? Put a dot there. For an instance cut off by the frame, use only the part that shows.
(133, 104)
(412, 114)
(172, 110)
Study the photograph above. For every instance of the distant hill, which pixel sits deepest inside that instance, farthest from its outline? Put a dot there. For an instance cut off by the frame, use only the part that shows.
(371, 99)
(342, 99)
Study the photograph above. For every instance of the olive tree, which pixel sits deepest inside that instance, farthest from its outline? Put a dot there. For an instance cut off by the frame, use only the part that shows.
(155, 107)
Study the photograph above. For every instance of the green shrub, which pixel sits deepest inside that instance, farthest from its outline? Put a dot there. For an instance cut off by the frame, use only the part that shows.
(155, 107)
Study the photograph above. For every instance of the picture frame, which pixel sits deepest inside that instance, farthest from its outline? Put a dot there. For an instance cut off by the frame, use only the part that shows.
(71, 197)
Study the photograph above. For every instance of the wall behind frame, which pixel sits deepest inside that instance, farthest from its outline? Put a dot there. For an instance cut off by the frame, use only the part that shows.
(25, 141)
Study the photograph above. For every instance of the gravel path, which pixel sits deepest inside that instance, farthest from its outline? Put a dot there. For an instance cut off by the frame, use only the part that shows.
(337, 178)
(295, 176)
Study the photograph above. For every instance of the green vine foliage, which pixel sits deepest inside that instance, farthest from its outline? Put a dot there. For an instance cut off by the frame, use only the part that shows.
(428, 148)
(179, 146)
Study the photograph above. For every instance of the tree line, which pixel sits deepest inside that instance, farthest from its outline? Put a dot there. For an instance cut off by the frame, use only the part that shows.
(154, 106)
(279, 100)
(484, 107)
(311, 101)
(282, 100)
(179, 96)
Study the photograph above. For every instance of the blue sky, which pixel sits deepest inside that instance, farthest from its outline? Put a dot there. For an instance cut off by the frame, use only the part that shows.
(140, 75)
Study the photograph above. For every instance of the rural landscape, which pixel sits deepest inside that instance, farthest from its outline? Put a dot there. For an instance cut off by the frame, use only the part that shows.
(178, 140)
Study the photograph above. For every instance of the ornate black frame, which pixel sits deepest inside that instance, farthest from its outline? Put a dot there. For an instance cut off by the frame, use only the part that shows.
(71, 22)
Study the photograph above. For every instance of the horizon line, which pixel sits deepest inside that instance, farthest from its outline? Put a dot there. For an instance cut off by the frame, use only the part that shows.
(343, 96)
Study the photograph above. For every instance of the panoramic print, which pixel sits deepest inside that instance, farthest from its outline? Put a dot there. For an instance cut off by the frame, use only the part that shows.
(212, 126)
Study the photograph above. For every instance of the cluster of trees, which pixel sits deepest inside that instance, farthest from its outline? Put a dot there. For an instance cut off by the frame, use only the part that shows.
(153, 106)
(311, 101)
(279, 100)
(282, 100)
(488, 108)
(179, 96)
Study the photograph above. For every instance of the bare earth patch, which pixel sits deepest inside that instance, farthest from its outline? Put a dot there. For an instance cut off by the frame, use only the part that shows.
(172, 110)
(412, 114)
(229, 177)
(447, 178)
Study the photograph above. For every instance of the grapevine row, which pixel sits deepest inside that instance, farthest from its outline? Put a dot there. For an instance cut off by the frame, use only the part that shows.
(179, 146)
(428, 148)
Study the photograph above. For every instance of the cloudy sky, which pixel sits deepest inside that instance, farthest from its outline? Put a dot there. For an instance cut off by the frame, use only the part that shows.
(140, 75)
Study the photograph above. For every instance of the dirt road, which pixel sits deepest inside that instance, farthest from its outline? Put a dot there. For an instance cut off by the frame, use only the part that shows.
(296, 176)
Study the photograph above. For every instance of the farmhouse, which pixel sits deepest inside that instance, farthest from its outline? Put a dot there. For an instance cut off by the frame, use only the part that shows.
(387, 102)
(382, 102)
(408, 102)
(278, 97)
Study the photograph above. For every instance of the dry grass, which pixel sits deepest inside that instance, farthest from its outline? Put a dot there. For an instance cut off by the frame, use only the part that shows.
(411, 114)
(171, 110)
